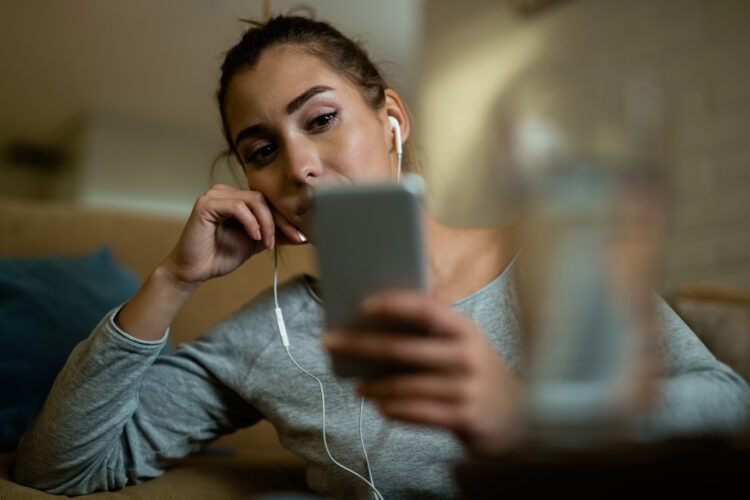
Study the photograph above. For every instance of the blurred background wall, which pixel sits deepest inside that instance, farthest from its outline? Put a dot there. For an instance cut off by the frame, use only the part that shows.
(479, 53)
(112, 103)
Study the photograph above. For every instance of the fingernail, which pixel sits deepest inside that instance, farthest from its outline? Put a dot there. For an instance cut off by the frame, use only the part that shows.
(273, 241)
(301, 236)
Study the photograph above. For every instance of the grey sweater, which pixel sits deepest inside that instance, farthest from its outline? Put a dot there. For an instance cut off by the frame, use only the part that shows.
(118, 414)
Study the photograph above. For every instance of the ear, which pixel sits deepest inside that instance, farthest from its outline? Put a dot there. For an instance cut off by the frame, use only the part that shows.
(395, 107)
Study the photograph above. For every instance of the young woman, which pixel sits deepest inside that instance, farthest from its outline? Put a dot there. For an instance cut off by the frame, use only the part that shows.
(303, 106)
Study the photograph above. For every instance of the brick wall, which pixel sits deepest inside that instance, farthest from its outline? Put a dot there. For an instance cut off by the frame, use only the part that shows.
(698, 50)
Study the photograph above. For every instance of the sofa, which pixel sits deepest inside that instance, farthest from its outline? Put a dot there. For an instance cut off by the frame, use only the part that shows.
(248, 463)
(251, 463)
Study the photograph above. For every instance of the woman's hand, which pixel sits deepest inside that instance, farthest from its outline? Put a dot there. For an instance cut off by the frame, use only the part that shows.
(458, 383)
(226, 227)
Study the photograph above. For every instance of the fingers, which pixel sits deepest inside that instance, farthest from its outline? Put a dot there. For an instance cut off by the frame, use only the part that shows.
(261, 221)
(485, 433)
(249, 208)
(286, 231)
(479, 406)
(411, 350)
(253, 215)
(444, 400)
(420, 310)
(426, 412)
(431, 386)
(437, 352)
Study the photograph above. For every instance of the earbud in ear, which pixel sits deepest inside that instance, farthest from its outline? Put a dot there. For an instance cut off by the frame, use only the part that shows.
(396, 129)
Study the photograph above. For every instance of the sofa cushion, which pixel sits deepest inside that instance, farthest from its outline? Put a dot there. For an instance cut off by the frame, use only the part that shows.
(47, 305)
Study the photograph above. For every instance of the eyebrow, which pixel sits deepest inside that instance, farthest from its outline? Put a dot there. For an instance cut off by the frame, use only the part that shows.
(293, 106)
(248, 132)
(305, 96)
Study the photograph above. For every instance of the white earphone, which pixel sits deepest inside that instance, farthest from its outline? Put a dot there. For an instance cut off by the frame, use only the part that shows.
(396, 129)
(369, 481)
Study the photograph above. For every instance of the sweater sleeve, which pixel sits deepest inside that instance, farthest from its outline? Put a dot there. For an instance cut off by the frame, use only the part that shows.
(699, 394)
(118, 414)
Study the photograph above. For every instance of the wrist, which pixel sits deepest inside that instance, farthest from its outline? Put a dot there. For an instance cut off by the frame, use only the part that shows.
(153, 308)
(165, 275)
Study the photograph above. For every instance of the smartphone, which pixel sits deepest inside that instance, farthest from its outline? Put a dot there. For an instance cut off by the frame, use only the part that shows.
(368, 240)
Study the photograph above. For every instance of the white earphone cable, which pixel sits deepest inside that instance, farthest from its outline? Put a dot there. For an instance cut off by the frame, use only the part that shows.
(398, 172)
(285, 343)
(362, 441)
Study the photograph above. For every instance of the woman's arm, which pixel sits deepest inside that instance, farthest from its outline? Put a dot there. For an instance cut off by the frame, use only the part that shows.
(698, 394)
(117, 414)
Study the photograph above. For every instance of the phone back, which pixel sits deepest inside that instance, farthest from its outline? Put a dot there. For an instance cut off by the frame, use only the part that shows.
(369, 239)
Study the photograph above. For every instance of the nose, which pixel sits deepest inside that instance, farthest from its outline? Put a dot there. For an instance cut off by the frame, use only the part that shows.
(303, 163)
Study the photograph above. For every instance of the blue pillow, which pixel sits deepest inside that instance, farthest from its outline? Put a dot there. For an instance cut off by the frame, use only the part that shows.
(47, 306)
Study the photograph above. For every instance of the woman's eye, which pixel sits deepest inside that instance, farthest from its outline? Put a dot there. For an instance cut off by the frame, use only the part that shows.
(323, 121)
(262, 154)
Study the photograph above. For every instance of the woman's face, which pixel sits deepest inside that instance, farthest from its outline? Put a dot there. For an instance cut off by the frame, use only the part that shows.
(297, 124)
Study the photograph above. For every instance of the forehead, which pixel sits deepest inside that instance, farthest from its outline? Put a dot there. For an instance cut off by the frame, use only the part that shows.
(281, 74)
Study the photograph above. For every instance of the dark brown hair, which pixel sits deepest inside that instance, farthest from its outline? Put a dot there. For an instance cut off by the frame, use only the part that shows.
(317, 38)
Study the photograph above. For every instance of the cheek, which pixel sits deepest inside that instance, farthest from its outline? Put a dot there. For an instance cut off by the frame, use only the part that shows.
(260, 181)
(364, 155)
